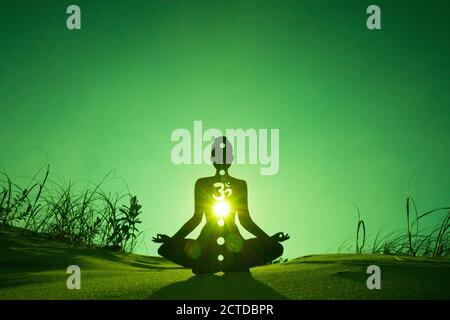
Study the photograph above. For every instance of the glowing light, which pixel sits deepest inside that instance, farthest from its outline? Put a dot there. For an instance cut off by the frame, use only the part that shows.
(222, 208)
(220, 257)
(220, 241)
(220, 222)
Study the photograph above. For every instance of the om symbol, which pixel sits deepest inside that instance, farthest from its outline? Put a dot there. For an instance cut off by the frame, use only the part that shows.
(224, 189)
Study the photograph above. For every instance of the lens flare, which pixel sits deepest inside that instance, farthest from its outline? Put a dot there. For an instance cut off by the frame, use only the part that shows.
(222, 208)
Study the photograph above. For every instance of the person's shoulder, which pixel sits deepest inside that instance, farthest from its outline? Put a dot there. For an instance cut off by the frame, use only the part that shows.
(239, 182)
(203, 181)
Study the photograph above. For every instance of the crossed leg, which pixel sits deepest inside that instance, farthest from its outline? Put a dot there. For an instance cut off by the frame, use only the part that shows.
(192, 254)
(184, 252)
(255, 252)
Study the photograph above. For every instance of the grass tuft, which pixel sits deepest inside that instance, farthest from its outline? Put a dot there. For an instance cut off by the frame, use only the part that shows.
(90, 217)
(432, 242)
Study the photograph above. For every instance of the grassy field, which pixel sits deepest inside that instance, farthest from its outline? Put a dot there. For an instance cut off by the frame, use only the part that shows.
(32, 267)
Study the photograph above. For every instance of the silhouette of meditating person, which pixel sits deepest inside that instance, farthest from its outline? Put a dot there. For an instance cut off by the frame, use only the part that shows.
(220, 246)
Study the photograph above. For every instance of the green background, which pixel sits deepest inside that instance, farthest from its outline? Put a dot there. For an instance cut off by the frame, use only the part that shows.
(363, 115)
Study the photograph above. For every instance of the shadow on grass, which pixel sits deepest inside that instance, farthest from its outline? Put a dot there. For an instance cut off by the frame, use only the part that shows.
(24, 253)
(239, 285)
(20, 250)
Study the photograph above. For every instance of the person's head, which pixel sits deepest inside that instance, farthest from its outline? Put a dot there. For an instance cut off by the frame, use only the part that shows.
(221, 153)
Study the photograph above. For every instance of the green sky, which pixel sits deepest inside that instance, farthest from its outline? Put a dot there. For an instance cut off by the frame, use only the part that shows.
(360, 112)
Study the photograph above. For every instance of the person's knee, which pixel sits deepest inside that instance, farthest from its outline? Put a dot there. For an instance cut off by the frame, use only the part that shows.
(278, 250)
(162, 250)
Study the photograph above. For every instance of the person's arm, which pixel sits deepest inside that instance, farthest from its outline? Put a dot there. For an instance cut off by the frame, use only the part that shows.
(195, 220)
(188, 227)
(249, 225)
(244, 216)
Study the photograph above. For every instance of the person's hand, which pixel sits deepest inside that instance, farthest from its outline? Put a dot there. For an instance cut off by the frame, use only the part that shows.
(161, 238)
(280, 237)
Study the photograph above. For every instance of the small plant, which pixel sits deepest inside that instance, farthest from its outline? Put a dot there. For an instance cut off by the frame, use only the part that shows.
(361, 226)
(409, 225)
(122, 227)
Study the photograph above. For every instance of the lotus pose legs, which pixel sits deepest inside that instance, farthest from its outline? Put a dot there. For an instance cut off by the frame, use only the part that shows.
(220, 246)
